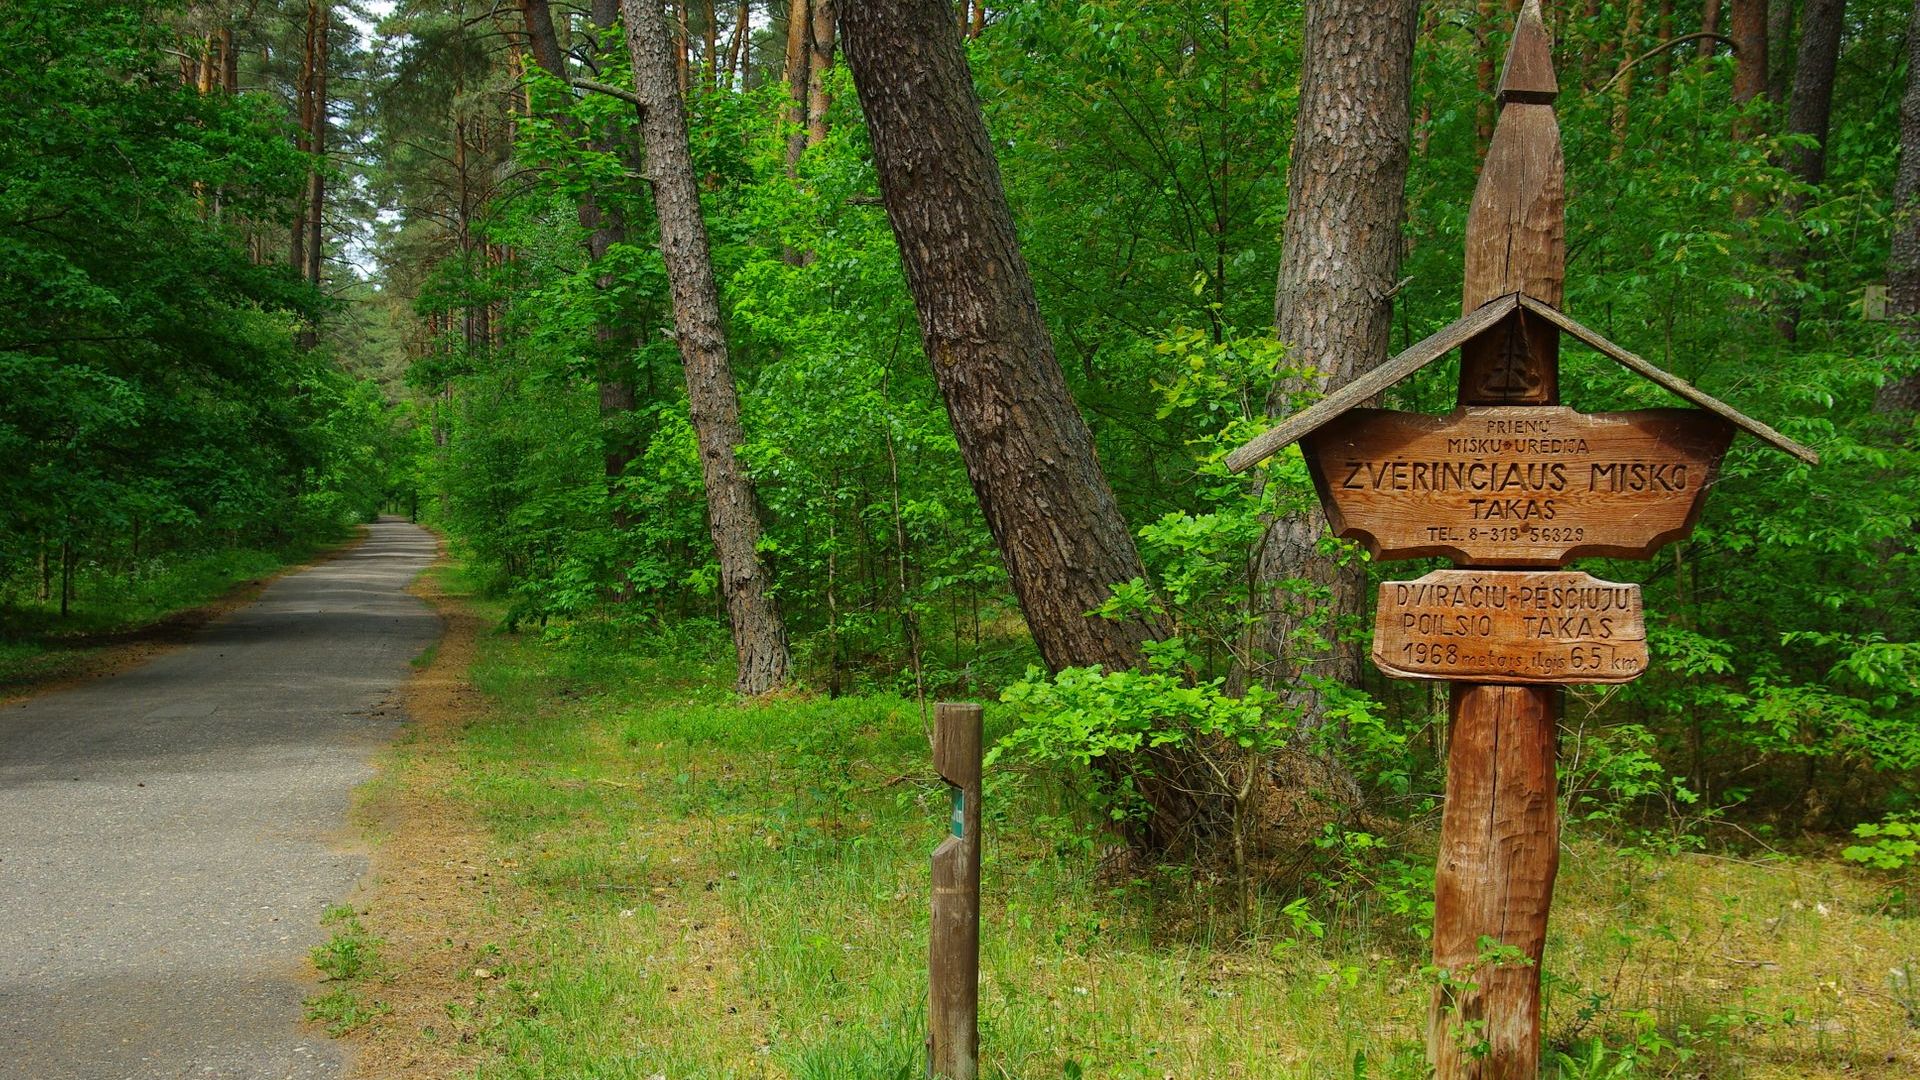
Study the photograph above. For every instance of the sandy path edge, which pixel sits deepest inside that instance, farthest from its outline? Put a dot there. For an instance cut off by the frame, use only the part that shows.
(434, 894)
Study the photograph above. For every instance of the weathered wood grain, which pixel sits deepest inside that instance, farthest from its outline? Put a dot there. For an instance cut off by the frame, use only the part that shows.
(1499, 852)
(953, 950)
(1529, 75)
(1515, 485)
(1639, 365)
(1510, 626)
(1371, 383)
(1499, 837)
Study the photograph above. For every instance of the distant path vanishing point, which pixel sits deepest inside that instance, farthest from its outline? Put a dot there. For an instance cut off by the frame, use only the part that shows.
(170, 835)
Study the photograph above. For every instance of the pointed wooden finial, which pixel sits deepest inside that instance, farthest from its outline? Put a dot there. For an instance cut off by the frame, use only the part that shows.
(1529, 73)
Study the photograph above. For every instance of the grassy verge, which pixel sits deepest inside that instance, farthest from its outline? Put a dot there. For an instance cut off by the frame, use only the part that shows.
(114, 607)
(725, 890)
(349, 964)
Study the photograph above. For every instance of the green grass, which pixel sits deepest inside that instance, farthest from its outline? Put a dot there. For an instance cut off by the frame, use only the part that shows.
(348, 962)
(112, 602)
(727, 890)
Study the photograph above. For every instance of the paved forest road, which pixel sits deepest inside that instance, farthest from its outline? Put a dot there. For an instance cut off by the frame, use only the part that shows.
(166, 834)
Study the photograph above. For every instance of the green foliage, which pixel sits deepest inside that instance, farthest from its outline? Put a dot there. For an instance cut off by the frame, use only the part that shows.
(350, 957)
(151, 395)
(1144, 150)
(1893, 845)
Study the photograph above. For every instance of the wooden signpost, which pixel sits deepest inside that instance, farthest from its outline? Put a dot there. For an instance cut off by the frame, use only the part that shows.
(1509, 479)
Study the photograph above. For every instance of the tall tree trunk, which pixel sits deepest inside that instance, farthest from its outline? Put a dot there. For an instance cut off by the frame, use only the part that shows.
(1027, 449)
(1749, 78)
(819, 63)
(712, 59)
(1333, 304)
(1808, 113)
(1780, 50)
(1902, 394)
(1663, 61)
(799, 53)
(1629, 41)
(681, 45)
(737, 47)
(759, 638)
(1749, 49)
(317, 144)
(1709, 24)
(605, 225)
(229, 62)
(209, 63)
(1488, 18)
(302, 138)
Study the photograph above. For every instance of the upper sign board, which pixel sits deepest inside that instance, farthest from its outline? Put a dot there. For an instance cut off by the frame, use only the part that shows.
(1515, 485)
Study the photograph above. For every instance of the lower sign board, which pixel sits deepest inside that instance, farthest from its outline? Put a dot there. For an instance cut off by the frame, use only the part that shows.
(1510, 626)
(1515, 485)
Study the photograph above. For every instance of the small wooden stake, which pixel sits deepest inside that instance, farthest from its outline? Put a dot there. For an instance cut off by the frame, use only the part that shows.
(953, 956)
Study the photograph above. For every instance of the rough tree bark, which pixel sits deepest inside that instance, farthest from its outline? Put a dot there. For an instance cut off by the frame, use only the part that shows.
(1027, 449)
(759, 637)
(1808, 113)
(1333, 305)
(614, 338)
(799, 53)
(1749, 26)
(317, 144)
(1902, 394)
(819, 64)
(229, 62)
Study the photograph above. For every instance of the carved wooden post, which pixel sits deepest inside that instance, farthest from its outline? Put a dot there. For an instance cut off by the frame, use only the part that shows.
(953, 959)
(1509, 481)
(1500, 828)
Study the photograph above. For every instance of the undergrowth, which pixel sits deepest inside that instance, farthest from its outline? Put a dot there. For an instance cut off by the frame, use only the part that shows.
(740, 890)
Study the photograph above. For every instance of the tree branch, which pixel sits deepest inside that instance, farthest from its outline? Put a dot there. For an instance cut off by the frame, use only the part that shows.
(611, 91)
(1657, 50)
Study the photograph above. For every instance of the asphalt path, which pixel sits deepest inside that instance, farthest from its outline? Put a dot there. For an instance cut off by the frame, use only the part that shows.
(170, 836)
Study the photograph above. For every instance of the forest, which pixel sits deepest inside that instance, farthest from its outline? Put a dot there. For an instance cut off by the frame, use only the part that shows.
(818, 360)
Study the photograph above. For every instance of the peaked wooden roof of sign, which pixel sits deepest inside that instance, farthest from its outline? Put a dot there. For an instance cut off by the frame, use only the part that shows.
(1306, 422)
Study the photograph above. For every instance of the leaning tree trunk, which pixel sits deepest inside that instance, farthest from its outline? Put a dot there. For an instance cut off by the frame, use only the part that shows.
(1902, 394)
(1808, 112)
(1333, 306)
(759, 638)
(1026, 447)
